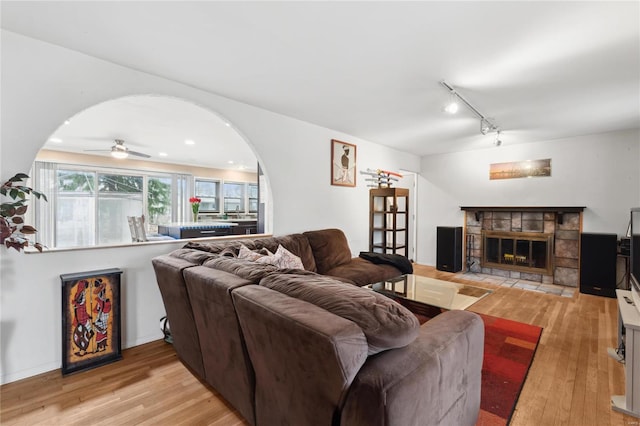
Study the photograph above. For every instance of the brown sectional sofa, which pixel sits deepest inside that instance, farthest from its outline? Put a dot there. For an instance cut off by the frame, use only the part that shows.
(308, 347)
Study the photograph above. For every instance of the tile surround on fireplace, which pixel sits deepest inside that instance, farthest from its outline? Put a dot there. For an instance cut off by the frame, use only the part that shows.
(565, 223)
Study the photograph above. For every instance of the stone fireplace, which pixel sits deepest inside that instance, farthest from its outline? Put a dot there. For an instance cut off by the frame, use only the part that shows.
(538, 244)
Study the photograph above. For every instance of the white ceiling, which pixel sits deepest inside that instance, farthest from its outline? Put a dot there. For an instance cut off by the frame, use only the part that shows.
(541, 70)
(158, 126)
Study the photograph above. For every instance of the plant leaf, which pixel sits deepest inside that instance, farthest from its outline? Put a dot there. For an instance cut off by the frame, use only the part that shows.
(18, 177)
(21, 210)
(28, 229)
(17, 220)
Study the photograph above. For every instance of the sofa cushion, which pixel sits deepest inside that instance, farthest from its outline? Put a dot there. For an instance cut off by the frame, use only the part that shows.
(297, 244)
(362, 272)
(246, 269)
(385, 323)
(330, 248)
(196, 257)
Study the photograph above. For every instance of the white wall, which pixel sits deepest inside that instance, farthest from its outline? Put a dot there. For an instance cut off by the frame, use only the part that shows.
(41, 86)
(600, 172)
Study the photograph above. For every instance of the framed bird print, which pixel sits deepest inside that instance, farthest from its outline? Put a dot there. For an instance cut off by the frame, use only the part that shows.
(90, 319)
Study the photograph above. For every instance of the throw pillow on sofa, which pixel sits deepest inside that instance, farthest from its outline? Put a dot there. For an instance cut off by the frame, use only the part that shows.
(385, 323)
(282, 258)
(287, 260)
(245, 253)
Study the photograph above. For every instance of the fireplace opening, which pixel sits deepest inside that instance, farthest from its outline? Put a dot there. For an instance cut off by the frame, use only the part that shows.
(518, 251)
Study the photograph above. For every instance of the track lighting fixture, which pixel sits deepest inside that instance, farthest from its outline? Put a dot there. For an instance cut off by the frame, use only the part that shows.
(486, 124)
(498, 141)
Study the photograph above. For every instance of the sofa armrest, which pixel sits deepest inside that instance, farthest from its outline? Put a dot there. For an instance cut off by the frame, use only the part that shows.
(226, 363)
(168, 270)
(433, 381)
(304, 357)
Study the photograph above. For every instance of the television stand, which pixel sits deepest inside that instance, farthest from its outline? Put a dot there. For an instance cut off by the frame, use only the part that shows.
(629, 338)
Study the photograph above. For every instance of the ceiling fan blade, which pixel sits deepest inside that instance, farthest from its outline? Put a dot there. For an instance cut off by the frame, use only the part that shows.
(139, 154)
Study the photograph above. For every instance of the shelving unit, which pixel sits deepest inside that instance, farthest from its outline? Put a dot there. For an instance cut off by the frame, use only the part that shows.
(388, 220)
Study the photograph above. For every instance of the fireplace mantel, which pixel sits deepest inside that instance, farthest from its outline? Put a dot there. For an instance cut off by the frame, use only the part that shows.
(571, 209)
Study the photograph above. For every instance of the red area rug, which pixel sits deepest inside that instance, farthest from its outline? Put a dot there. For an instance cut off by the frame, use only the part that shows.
(509, 347)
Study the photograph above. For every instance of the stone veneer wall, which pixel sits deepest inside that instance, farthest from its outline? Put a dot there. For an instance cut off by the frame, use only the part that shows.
(566, 241)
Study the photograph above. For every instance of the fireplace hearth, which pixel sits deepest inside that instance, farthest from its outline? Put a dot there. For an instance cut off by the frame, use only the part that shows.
(538, 244)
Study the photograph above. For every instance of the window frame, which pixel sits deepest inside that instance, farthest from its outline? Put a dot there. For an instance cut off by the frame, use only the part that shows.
(217, 197)
(242, 198)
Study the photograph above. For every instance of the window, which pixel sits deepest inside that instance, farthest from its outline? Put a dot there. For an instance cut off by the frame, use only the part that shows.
(234, 197)
(75, 209)
(119, 196)
(159, 196)
(89, 206)
(252, 190)
(208, 191)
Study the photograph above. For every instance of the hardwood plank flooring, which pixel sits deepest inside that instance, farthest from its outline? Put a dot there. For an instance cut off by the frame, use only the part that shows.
(570, 381)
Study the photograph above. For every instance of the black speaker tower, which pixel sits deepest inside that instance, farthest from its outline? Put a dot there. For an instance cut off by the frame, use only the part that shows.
(449, 248)
(598, 257)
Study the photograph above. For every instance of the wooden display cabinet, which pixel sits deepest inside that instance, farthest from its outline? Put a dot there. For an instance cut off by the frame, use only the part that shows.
(388, 220)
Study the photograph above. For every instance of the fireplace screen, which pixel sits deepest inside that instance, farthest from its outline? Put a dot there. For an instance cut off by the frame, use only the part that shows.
(526, 252)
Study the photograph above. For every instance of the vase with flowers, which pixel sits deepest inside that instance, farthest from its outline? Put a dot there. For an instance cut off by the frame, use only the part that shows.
(195, 207)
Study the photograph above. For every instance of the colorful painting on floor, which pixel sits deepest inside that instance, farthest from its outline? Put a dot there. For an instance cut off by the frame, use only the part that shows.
(90, 319)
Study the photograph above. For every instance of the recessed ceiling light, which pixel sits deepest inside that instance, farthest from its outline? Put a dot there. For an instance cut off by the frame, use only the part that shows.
(227, 124)
(55, 140)
(162, 154)
(189, 142)
(230, 162)
(67, 121)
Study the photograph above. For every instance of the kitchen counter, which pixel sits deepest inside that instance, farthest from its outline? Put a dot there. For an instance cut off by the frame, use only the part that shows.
(180, 230)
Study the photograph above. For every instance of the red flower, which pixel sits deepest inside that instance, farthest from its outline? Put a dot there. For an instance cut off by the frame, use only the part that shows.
(193, 200)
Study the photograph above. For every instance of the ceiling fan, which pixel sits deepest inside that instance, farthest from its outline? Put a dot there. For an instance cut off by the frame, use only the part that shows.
(120, 151)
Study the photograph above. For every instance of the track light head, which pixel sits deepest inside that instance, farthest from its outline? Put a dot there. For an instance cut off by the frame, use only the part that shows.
(487, 126)
(452, 107)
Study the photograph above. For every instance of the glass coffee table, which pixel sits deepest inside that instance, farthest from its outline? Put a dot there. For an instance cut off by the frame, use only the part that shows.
(429, 296)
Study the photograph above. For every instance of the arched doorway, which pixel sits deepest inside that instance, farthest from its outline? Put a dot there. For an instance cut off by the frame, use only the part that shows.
(143, 155)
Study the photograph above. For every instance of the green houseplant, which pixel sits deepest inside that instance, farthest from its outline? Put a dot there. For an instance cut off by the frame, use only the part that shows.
(13, 230)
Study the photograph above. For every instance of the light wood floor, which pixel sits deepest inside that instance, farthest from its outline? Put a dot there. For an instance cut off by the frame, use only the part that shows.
(570, 381)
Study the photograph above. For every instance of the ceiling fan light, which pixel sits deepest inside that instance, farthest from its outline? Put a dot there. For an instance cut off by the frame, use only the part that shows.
(119, 154)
